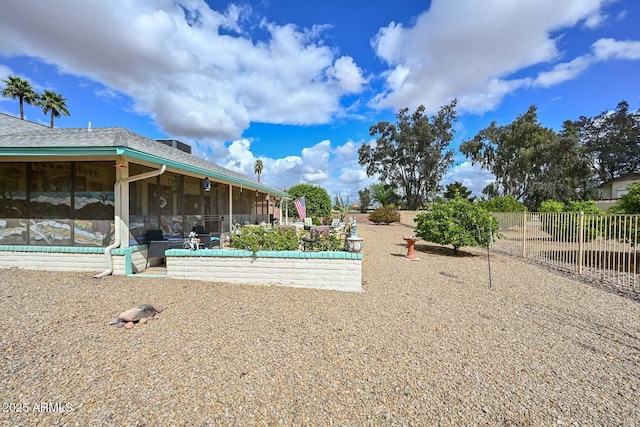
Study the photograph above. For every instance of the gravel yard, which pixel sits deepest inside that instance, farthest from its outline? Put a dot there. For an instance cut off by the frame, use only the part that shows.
(426, 343)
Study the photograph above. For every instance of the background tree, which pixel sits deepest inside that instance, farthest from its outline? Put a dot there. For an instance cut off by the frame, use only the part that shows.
(456, 189)
(384, 194)
(532, 163)
(365, 199)
(411, 155)
(316, 198)
(17, 88)
(257, 168)
(565, 173)
(509, 153)
(612, 139)
(52, 103)
(457, 222)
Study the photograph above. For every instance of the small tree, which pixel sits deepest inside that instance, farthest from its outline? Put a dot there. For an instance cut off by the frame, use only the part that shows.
(456, 189)
(457, 222)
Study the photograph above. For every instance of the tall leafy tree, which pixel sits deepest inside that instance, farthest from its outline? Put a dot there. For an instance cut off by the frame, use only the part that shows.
(531, 162)
(612, 138)
(17, 88)
(52, 103)
(412, 154)
(317, 200)
(456, 189)
(510, 152)
(565, 172)
(257, 168)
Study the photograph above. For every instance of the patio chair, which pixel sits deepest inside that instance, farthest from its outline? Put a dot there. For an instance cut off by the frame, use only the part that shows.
(156, 245)
(199, 229)
(308, 222)
(336, 224)
(205, 240)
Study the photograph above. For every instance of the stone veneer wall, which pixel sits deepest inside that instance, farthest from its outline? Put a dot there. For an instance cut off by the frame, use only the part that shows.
(340, 271)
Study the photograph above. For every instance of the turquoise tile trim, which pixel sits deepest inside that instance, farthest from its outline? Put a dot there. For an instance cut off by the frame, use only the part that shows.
(128, 260)
(130, 249)
(52, 249)
(215, 253)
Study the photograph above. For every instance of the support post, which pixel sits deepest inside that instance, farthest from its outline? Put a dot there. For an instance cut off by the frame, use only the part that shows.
(581, 243)
(524, 234)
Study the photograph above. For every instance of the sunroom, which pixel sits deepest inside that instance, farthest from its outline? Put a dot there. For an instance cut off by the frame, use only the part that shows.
(77, 199)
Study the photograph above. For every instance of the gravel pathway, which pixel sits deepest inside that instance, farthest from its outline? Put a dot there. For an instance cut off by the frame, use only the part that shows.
(427, 343)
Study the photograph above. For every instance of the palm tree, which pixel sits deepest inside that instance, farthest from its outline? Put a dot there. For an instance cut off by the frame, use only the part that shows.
(53, 103)
(21, 89)
(257, 168)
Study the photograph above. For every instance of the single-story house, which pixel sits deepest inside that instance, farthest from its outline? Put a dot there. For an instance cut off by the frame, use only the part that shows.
(616, 188)
(73, 199)
(612, 191)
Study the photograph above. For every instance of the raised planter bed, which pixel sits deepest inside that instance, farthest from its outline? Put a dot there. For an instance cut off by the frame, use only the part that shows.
(338, 270)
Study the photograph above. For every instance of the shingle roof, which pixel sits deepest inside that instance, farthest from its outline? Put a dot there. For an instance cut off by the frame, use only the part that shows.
(10, 124)
(37, 136)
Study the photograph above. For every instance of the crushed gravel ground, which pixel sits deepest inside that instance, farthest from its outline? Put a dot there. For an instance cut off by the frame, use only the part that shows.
(428, 342)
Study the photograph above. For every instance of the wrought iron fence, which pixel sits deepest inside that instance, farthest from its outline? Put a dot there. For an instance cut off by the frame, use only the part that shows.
(600, 247)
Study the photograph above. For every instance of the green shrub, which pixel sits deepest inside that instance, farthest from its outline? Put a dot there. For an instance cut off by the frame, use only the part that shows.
(330, 242)
(551, 206)
(629, 203)
(256, 239)
(503, 204)
(384, 215)
(457, 222)
(566, 227)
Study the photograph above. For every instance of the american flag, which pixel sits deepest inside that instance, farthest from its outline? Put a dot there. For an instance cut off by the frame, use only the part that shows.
(301, 207)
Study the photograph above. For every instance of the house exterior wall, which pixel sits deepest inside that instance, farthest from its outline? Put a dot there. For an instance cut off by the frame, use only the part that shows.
(615, 189)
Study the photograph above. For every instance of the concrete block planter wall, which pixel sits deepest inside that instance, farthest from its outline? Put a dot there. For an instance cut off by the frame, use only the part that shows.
(340, 271)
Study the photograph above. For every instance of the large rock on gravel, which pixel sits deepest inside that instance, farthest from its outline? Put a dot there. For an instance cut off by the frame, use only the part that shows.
(135, 314)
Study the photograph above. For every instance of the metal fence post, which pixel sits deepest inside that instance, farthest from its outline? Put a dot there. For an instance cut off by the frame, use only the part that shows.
(581, 244)
(524, 234)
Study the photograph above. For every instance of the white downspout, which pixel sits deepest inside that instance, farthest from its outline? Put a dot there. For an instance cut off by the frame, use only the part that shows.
(117, 193)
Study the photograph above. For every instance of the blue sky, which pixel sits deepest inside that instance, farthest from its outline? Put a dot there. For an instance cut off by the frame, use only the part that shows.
(298, 83)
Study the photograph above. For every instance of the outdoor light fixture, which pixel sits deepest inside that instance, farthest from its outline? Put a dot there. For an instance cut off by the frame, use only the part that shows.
(207, 184)
(256, 194)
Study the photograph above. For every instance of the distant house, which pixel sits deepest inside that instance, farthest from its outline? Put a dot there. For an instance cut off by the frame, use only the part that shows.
(616, 188)
(68, 197)
(612, 191)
